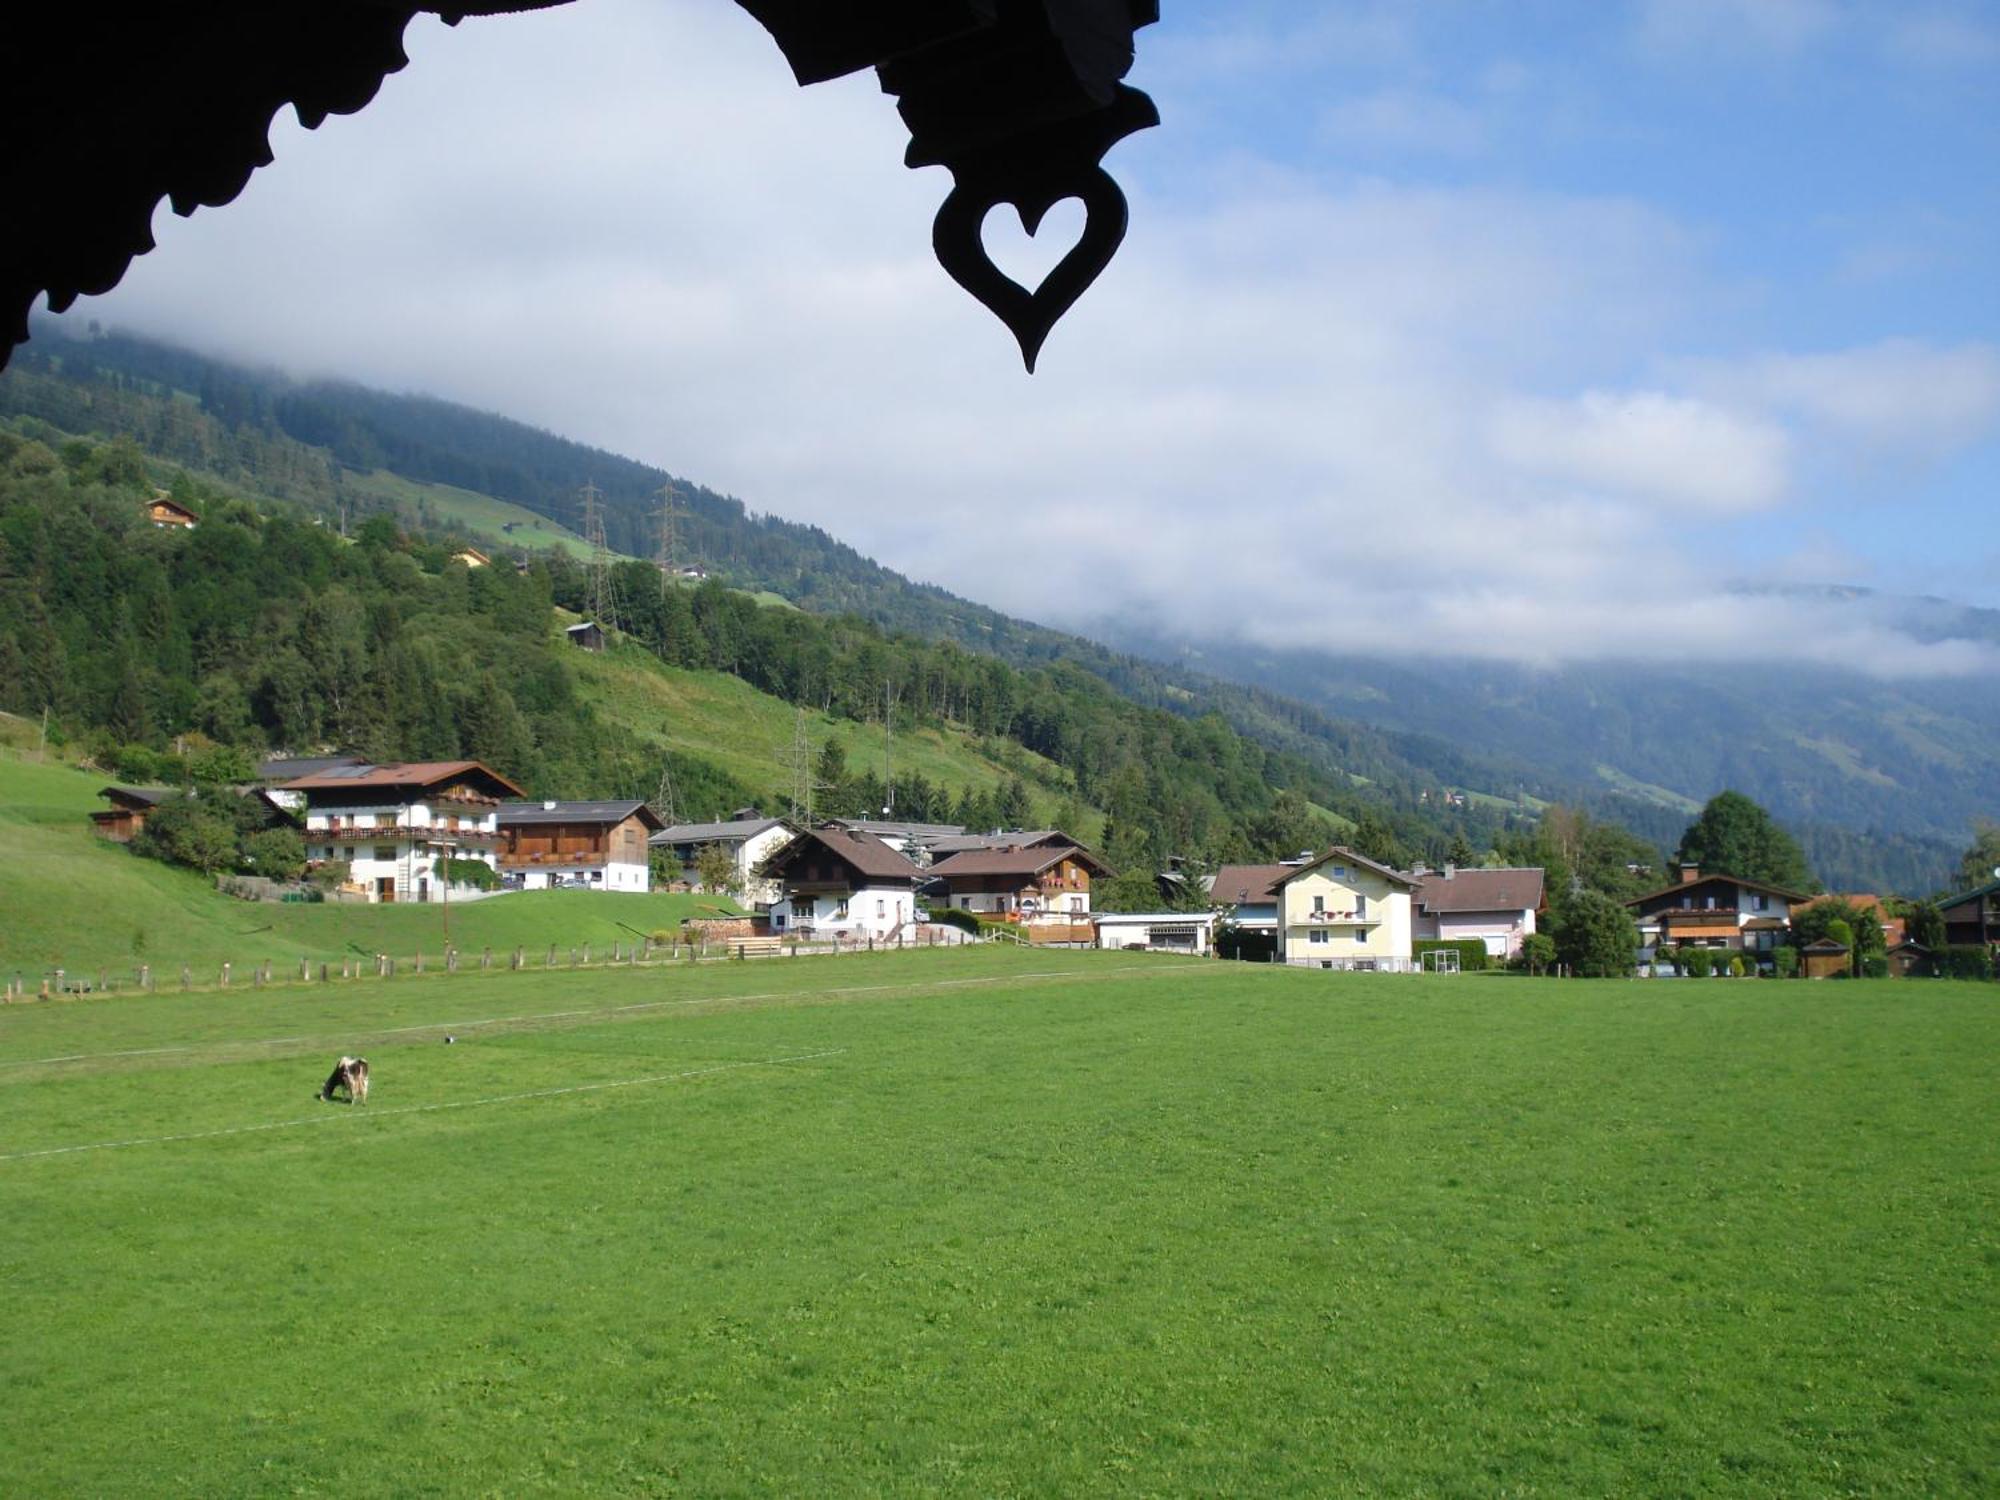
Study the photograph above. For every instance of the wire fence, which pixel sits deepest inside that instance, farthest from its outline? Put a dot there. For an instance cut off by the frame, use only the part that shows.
(145, 978)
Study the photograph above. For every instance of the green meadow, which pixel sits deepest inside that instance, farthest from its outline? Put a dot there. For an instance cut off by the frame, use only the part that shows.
(1004, 1223)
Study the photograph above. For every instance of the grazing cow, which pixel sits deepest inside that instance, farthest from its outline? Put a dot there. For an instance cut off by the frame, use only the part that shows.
(351, 1074)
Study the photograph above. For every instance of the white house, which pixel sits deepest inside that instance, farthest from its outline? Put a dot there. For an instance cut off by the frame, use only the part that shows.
(594, 845)
(1345, 911)
(1190, 932)
(1494, 907)
(397, 825)
(749, 841)
(836, 882)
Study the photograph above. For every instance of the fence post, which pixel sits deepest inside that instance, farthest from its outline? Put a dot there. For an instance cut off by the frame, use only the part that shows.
(305, 970)
(586, 955)
(552, 956)
(225, 976)
(420, 960)
(520, 957)
(451, 960)
(486, 959)
(322, 973)
(572, 958)
(186, 978)
(267, 971)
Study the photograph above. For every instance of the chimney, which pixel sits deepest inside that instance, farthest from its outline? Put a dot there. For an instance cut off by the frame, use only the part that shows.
(549, 805)
(1450, 870)
(1690, 874)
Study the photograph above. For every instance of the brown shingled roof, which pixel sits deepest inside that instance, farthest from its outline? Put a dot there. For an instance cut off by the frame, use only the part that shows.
(1023, 862)
(865, 853)
(408, 774)
(1518, 889)
(1247, 884)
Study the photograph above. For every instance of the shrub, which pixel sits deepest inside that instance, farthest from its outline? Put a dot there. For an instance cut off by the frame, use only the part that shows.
(1472, 954)
(331, 874)
(190, 832)
(952, 916)
(1699, 961)
(1964, 961)
(1785, 963)
(1538, 952)
(276, 853)
(473, 872)
(1595, 936)
(1737, 968)
(1875, 966)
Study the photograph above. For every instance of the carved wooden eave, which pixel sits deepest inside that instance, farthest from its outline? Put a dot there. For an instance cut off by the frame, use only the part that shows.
(110, 107)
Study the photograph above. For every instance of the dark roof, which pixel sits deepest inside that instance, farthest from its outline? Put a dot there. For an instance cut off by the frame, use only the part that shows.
(1023, 862)
(879, 827)
(1824, 945)
(1699, 881)
(416, 775)
(585, 625)
(1992, 888)
(1514, 889)
(576, 812)
(1236, 885)
(1341, 854)
(958, 843)
(715, 833)
(139, 796)
(291, 767)
(866, 854)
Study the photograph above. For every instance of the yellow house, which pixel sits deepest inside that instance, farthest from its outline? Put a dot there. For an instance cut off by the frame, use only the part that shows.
(1345, 911)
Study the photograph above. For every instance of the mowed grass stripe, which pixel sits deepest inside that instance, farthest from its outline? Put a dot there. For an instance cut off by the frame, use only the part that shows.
(1247, 1232)
(423, 1109)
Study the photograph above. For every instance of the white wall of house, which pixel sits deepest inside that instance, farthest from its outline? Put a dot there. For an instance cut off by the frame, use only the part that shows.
(1164, 931)
(612, 876)
(406, 850)
(1340, 914)
(872, 911)
(1500, 931)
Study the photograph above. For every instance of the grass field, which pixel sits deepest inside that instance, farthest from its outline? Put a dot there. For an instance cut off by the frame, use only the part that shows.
(1004, 1224)
(70, 899)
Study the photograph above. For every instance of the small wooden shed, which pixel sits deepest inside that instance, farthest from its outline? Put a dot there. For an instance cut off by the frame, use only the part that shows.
(589, 635)
(1823, 958)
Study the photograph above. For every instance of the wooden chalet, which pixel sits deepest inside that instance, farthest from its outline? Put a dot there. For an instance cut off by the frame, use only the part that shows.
(397, 826)
(1973, 918)
(598, 845)
(129, 808)
(472, 557)
(1716, 911)
(836, 880)
(164, 510)
(1043, 885)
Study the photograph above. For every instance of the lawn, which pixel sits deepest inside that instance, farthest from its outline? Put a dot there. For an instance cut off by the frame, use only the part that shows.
(72, 900)
(1004, 1223)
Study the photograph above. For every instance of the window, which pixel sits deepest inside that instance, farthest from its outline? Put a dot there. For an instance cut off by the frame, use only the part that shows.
(385, 851)
(840, 910)
(1319, 935)
(1338, 872)
(1319, 905)
(881, 910)
(1760, 902)
(1360, 908)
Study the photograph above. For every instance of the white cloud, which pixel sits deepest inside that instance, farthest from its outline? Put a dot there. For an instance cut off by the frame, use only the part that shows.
(1289, 406)
(1900, 396)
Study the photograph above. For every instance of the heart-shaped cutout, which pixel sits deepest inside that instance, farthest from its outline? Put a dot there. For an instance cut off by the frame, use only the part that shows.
(957, 237)
(1025, 254)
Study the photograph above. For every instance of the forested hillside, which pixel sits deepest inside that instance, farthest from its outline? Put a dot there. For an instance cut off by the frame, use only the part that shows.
(263, 628)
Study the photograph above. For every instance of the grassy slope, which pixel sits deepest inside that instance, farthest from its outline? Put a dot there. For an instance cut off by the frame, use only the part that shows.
(725, 720)
(480, 514)
(69, 898)
(1136, 1227)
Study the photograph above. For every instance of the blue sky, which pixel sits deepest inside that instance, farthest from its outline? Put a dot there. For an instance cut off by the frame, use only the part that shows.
(1501, 329)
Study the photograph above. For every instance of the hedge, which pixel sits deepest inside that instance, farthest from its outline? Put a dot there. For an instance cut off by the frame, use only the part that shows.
(1471, 951)
(1963, 961)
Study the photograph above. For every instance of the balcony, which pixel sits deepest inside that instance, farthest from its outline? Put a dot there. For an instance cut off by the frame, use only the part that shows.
(1337, 918)
(397, 834)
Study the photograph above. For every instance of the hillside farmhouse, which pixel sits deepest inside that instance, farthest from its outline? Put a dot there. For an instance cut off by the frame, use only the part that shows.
(748, 839)
(1045, 887)
(837, 882)
(397, 825)
(164, 510)
(599, 846)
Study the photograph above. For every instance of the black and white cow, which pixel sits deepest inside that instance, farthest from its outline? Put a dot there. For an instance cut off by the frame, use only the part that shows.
(351, 1074)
